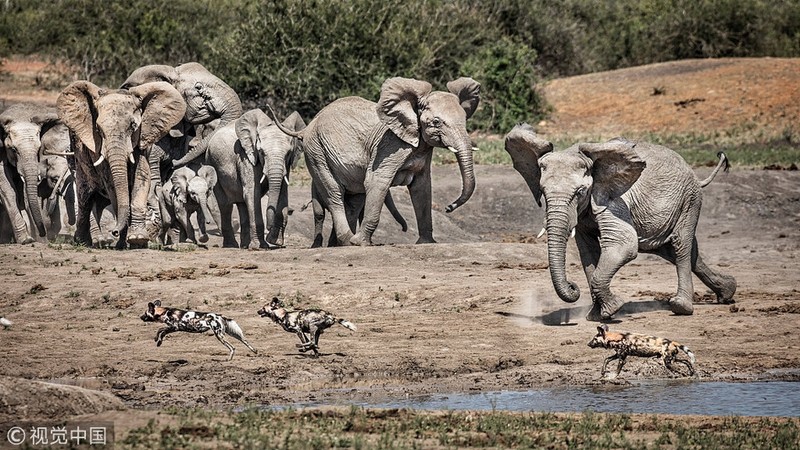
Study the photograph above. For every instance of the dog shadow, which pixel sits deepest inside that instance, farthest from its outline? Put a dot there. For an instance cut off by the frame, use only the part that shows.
(311, 355)
(558, 318)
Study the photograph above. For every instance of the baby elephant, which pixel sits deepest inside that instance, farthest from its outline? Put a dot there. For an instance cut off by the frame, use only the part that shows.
(307, 323)
(187, 192)
(631, 344)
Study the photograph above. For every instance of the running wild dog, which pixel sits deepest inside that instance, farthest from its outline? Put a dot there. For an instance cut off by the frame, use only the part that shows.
(193, 322)
(308, 324)
(631, 344)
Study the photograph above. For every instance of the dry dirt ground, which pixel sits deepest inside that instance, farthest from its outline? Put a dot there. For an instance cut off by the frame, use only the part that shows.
(474, 312)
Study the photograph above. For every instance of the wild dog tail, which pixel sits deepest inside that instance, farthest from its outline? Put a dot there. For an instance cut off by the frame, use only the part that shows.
(723, 164)
(688, 353)
(346, 324)
(232, 329)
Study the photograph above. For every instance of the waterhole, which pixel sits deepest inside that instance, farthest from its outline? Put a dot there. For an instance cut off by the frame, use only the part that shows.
(758, 398)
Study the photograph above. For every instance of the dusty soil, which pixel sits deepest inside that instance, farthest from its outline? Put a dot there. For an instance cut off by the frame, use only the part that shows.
(474, 312)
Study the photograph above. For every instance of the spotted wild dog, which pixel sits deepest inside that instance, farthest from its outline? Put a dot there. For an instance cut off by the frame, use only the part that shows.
(193, 322)
(308, 324)
(632, 344)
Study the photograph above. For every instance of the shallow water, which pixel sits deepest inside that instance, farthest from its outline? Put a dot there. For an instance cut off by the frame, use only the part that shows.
(760, 398)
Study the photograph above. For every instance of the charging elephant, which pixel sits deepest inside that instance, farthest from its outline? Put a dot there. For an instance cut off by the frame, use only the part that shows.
(187, 192)
(110, 129)
(620, 198)
(253, 158)
(355, 146)
(22, 131)
(207, 98)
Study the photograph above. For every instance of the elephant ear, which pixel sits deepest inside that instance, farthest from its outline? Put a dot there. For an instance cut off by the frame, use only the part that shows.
(162, 108)
(209, 174)
(76, 108)
(247, 131)
(615, 167)
(46, 121)
(525, 148)
(180, 182)
(468, 92)
(150, 74)
(294, 122)
(398, 106)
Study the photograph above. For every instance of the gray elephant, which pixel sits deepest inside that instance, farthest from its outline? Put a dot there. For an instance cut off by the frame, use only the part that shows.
(207, 98)
(186, 193)
(23, 128)
(112, 134)
(619, 198)
(253, 158)
(56, 191)
(355, 146)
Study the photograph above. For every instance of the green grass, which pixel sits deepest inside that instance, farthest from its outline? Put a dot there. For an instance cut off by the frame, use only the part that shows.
(361, 428)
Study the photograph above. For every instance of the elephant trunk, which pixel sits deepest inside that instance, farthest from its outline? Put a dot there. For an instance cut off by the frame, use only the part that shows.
(119, 174)
(232, 110)
(463, 153)
(558, 230)
(30, 175)
(275, 218)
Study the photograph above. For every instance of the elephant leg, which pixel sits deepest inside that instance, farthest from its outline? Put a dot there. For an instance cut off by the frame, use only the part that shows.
(319, 217)
(722, 285)
(354, 207)
(201, 224)
(420, 192)
(244, 226)
(619, 246)
(589, 249)
(331, 195)
(226, 224)
(83, 225)
(140, 224)
(255, 219)
(9, 198)
(377, 188)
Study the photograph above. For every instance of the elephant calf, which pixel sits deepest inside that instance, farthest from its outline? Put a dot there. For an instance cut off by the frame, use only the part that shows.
(187, 192)
(619, 198)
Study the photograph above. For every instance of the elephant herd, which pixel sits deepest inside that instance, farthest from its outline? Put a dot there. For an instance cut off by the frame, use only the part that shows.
(174, 142)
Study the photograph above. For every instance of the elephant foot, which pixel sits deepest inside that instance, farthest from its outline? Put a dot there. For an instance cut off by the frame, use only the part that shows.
(360, 239)
(426, 240)
(203, 238)
(138, 237)
(681, 306)
(27, 240)
(726, 291)
(605, 310)
(272, 246)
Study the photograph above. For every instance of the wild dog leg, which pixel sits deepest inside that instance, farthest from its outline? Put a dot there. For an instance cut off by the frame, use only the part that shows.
(221, 338)
(162, 333)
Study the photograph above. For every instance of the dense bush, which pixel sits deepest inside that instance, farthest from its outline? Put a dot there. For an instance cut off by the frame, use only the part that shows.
(302, 54)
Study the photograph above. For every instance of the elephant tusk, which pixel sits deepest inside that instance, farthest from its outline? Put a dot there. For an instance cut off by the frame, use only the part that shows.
(452, 149)
(59, 153)
(475, 149)
(572, 233)
(99, 160)
(541, 233)
(130, 158)
(286, 179)
(263, 176)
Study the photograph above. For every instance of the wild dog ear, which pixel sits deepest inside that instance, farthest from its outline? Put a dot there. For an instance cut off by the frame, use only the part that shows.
(157, 303)
(601, 330)
(276, 302)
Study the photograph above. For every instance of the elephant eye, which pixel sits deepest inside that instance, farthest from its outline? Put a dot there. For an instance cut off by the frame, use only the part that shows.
(436, 122)
(582, 191)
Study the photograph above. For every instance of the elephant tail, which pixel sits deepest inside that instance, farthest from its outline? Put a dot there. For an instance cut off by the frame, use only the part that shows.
(723, 164)
(292, 133)
(346, 324)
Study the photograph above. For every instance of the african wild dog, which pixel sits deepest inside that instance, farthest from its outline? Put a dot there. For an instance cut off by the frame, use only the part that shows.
(631, 344)
(193, 322)
(311, 321)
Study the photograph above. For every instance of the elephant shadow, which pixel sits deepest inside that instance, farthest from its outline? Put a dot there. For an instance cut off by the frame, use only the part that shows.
(564, 316)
